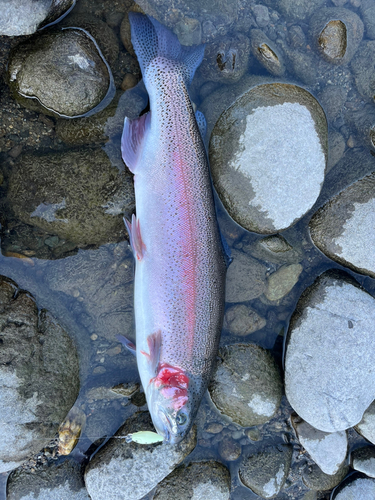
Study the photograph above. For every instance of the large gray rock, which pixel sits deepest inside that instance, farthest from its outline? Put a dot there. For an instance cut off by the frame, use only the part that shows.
(268, 156)
(328, 450)
(24, 17)
(77, 195)
(329, 377)
(61, 73)
(131, 470)
(317, 480)
(246, 385)
(63, 481)
(363, 67)
(343, 227)
(203, 480)
(265, 473)
(39, 376)
(366, 426)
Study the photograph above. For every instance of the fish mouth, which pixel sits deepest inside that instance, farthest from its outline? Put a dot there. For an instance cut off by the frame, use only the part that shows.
(170, 431)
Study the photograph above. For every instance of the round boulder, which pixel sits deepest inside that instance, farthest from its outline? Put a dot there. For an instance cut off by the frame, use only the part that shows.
(268, 154)
(246, 385)
(77, 195)
(39, 376)
(61, 73)
(329, 376)
(343, 227)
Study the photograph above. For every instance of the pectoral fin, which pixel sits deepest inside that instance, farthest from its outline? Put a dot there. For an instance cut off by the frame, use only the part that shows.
(154, 346)
(135, 237)
(133, 136)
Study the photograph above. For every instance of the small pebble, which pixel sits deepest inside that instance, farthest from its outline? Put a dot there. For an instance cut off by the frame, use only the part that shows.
(128, 82)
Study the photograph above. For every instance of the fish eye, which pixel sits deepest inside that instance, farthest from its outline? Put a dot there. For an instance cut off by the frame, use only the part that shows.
(181, 418)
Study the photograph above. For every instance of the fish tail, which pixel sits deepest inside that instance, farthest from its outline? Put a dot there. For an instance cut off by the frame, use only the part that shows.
(151, 39)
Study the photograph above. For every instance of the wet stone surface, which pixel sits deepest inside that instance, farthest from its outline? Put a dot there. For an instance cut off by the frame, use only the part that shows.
(39, 376)
(246, 386)
(328, 376)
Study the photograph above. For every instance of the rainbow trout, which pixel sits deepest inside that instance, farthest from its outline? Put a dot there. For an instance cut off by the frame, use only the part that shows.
(180, 260)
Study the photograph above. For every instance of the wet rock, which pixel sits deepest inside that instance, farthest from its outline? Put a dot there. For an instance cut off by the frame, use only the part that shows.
(63, 481)
(329, 379)
(363, 120)
(189, 31)
(297, 10)
(266, 52)
(61, 73)
(336, 33)
(342, 228)
(281, 282)
(303, 65)
(328, 450)
(261, 14)
(315, 479)
(363, 460)
(103, 35)
(76, 195)
(258, 152)
(245, 278)
(24, 17)
(266, 472)
(366, 427)
(229, 449)
(125, 31)
(297, 38)
(208, 480)
(332, 98)
(368, 17)
(336, 148)
(362, 488)
(242, 320)
(274, 248)
(115, 467)
(363, 67)
(39, 375)
(226, 60)
(246, 384)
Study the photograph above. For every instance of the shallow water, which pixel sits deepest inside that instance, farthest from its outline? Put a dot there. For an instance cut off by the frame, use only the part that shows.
(75, 287)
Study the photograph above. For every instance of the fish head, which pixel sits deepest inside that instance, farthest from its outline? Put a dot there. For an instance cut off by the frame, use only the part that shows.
(170, 404)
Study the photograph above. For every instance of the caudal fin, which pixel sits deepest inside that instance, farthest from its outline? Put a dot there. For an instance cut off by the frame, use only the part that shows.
(151, 39)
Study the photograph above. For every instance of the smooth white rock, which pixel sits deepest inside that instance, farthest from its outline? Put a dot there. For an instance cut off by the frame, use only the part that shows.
(360, 489)
(330, 356)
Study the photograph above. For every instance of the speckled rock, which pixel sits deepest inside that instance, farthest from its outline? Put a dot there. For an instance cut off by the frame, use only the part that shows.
(246, 278)
(24, 17)
(267, 52)
(39, 375)
(361, 488)
(328, 450)
(226, 60)
(229, 449)
(332, 98)
(366, 426)
(242, 320)
(246, 384)
(315, 479)
(281, 282)
(76, 195)
(208, 480)
(363, 460)
(269, 122)
(329, 379)
(63, 481)
(336, 33)
(336, 148)
(363, 67)
(61, 73)
(115, 467)
(274, 248)
(342, 228)
(265, 473)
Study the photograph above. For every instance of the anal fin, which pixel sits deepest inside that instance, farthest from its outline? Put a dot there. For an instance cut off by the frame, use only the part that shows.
(135, 237)
(132, 139)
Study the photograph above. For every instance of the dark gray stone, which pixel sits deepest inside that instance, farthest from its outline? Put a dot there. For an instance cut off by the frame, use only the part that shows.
(39, 375)
(267, 52)
(246, 278)
(246, 384)
(363, 460)
(242, 320)
(315, 479)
